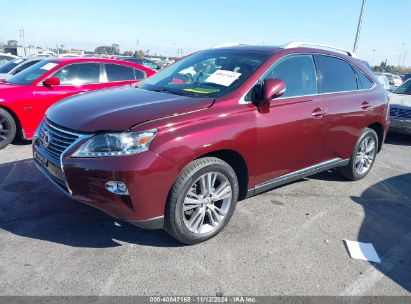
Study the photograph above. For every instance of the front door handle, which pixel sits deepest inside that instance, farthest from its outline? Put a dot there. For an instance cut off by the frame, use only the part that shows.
(318, 113)
(365, 105)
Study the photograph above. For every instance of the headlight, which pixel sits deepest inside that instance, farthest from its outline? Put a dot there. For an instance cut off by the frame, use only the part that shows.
(116, 144)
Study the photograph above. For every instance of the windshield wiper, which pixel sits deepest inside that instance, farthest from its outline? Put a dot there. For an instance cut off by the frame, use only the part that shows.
(166, 90)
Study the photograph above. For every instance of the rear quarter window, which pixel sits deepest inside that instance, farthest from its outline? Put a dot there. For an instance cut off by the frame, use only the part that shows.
(364, 82)
(139, 74)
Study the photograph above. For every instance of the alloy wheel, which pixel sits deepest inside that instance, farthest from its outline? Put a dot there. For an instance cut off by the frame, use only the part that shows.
(365, 155)
(207, 203)
(5, 128)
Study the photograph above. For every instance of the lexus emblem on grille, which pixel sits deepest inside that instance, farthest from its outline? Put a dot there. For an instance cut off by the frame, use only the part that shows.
(46, 139)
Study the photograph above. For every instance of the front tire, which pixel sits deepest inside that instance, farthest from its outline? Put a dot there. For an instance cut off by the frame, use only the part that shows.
(7, 128)
(201, 201)
(363, 156)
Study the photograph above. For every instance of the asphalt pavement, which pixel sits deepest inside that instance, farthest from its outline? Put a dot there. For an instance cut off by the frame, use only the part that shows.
(288, 241)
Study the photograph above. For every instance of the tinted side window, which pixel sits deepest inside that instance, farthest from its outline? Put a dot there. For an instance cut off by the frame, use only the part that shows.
(298, 73)
(363, 81)
(79, 73)
(150, 64)
(336, 75)
(24, 66)
(139, 74)
(117, 72)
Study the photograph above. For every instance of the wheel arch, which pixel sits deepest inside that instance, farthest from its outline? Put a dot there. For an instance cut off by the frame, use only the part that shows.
(238, 163)
(379, 129)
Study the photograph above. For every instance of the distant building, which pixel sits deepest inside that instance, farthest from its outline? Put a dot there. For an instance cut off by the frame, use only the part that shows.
(77, 52)
(19, 50)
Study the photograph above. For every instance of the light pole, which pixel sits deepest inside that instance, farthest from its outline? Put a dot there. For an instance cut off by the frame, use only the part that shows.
(402, 49)
(357, 36)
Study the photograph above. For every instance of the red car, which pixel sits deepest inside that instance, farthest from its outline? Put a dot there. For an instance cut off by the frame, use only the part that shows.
(25, 97)
(220, 125)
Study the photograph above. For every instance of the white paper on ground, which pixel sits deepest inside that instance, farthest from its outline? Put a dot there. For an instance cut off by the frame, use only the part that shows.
(362, 251)
(223, 77)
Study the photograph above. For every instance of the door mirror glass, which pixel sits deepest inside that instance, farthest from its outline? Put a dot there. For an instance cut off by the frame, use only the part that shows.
(273, 88)
(52, 81)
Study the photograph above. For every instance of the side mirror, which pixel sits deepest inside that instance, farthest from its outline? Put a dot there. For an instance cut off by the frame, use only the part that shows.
(52, 81)
(272, 88)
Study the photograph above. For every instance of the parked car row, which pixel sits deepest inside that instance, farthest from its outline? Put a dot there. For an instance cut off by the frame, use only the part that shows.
(15, 66)
(179, 149)
(389, 81)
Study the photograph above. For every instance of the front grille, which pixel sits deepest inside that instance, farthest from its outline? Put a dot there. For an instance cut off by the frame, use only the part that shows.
(393, 111)
(400, 112)
(54, 139)
(404, 113)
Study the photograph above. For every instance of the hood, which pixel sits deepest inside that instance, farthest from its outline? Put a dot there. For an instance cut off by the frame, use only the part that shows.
(400, 99)
(119, 109)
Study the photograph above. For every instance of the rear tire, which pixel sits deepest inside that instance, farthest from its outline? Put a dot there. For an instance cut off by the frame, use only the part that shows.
(363, 156)
(201, 201)
(7, 128)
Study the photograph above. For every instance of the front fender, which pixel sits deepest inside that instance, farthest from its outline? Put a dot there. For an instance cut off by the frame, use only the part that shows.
(182, 143)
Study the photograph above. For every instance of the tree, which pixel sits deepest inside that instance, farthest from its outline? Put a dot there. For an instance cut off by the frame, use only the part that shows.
(115, 49)
(103, 49)
(386, 68)
(12, 43)
(141, 53)
(128, 53)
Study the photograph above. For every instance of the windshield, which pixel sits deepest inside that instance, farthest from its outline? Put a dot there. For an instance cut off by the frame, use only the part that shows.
(5, 68)
(211, 73)
(32, 73)
(405, 88)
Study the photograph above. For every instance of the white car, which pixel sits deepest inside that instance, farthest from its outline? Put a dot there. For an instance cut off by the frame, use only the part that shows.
(395, 80)
(384, 82)
(400, 108)
(4, 58)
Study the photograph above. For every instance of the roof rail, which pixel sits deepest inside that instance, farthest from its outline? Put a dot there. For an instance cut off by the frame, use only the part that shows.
(228, 44)
(295, 44)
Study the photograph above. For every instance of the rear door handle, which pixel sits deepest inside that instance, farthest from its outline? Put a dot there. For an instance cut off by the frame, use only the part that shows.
(318, 113)
(365, 105)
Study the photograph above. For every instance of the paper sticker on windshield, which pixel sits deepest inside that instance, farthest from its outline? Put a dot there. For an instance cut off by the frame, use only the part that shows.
(49, 66)
(223, 77)
(17, 61)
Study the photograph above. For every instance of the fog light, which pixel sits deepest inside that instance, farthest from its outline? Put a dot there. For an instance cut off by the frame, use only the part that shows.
(119, 188)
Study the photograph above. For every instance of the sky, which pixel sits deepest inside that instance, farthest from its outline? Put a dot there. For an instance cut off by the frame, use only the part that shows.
(163, 26)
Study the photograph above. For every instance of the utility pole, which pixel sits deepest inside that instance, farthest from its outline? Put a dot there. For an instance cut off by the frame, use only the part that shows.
(21, 34)
(33, 26)
(137, 42)
(357, 36)
(402, 49)
(403, 58)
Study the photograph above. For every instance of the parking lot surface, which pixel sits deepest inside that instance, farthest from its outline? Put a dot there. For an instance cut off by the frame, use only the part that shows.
(288, 241)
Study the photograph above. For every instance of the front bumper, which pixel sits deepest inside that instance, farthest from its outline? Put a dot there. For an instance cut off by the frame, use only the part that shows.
(400, 125)
(147, 175)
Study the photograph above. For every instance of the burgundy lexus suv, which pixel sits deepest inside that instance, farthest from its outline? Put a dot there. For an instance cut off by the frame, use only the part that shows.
(182, 147)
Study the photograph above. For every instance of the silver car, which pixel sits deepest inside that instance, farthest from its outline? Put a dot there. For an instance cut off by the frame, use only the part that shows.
(400, 108)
